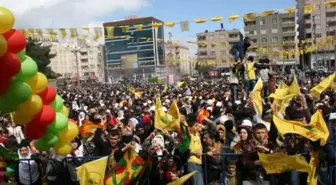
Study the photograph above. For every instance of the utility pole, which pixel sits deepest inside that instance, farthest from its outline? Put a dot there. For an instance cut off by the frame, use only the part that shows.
(75, 51)
(170, 42)
(314, 31)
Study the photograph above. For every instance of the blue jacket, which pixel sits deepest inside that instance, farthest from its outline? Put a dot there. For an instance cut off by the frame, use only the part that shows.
(331, 144)
(237, 50)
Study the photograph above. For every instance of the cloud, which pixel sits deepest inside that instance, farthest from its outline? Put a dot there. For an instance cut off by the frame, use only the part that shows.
(67, 13)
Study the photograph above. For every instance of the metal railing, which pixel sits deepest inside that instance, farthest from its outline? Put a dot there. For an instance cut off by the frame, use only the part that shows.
(221, 180)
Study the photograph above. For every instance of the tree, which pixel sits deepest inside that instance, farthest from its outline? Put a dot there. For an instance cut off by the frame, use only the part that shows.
(42, 56)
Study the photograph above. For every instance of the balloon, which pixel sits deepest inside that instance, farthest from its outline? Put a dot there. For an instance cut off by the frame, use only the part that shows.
(45, 117)
(4, 84)
(7, 20)
(70, 132)
(22, 55)
(10, 65)
(38, 83)
(33, 131)
(20, 118)
(61, 122)
(40, 145)
(50, 139)
(16, 41)
(63, 148)
(57, 104)
(18, 91)
(7, 105)
(32, 106)
(65, 111)
(48, 95)
(3, 46)
(28, 69)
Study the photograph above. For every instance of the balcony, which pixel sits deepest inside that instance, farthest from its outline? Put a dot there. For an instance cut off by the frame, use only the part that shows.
(201, 37)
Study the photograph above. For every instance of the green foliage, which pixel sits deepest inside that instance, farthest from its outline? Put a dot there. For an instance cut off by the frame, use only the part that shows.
(42, 56)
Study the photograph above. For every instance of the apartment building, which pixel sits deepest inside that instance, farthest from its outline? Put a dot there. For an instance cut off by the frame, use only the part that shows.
(177, 56)
(317, 26)
(78, 58)
(137, 53)
(216, 45)
(271, 35)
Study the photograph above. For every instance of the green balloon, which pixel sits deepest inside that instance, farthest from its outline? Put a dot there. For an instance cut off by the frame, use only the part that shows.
(7, 105)
(61, 122)
(40, 145)
(22, 55)
(28, 69)
(19, 91)
(57, 104)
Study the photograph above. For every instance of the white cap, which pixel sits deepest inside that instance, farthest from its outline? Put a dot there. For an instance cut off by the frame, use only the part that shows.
(246, 123)
(167, 101)
(332, 116)
(209, 109)
(164, 109)
(219, 104)
(209, 102)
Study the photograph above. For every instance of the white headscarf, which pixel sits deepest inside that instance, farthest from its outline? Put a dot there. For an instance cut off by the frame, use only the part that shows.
(26, 177)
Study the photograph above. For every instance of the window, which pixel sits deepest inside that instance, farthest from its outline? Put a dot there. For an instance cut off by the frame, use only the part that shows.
(254, 40)
(264, 40)
(252, 32)
(275, 21)
(275, 30)
(274, 39)
(263, 31)
(203, 53)
(262, 22)
(213, 53)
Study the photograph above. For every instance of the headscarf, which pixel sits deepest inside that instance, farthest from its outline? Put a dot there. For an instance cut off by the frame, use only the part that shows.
(27, 177)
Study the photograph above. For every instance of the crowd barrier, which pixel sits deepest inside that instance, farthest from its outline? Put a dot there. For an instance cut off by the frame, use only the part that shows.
(222, 181)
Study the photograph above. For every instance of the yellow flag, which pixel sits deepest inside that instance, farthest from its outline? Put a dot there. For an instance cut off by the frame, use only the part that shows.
(63, 32)
(51, 33)
(138, 27)
(256, 97)
(110, 32)
(39, 32)
(180, 84)
(267, 13)
(250, 17)
(280, 162)
(166, 121)
(308, 9)
(313, 164)
(183, 179)
(98, 33)
(170, 24)
(330, 4)
(73, 33)
(165, 88)
(233, 18)
(31, 33)
(136, 93)
(214, 19)
(294, 88)
(282, 85)
(157, 25)
(201, 20)
(290, 11)
(124, 29)
(314, 131)
(322, 86)
(92, 172)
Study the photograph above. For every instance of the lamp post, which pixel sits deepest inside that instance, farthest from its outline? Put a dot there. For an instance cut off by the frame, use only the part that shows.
(75, 50)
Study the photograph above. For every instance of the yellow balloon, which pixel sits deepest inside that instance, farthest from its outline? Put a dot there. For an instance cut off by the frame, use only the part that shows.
(3, 46)
(7, 20)
(70, 132)
(65, 111)
(20, 118)
(38, 83)
(63, 148)
(33, 105)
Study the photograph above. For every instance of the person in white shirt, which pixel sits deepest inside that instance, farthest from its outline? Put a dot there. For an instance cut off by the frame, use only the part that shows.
(16, 131)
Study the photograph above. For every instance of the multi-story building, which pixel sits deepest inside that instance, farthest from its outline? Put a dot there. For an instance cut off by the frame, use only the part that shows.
(318, 27)
(273, 36)
(78, 57)
(216, 45)
(177, 57)
(137, 53)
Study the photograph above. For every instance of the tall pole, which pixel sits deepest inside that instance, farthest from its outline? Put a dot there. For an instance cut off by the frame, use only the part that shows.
(314, 31)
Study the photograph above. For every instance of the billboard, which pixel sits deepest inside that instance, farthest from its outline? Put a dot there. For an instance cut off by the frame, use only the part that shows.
(129, 61)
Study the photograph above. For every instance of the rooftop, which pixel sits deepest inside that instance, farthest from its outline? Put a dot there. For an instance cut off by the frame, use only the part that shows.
(132, 21)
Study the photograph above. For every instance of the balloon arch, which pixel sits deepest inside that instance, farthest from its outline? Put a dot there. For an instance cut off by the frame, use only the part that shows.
(25, 93)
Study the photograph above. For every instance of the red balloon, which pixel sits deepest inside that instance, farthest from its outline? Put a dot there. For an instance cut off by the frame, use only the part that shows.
(33, 131)
(45, 117)
(48, 95)
(4, 84)
(16, 41)
(10, 65)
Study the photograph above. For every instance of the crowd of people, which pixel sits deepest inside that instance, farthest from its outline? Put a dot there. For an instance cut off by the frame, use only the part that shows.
(228, 125)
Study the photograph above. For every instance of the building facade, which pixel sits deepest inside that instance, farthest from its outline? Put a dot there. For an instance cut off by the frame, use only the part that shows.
(178, 61)
(319, 27)
(137, 53)
(216, 46)
(78, 57)
(273, 36)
